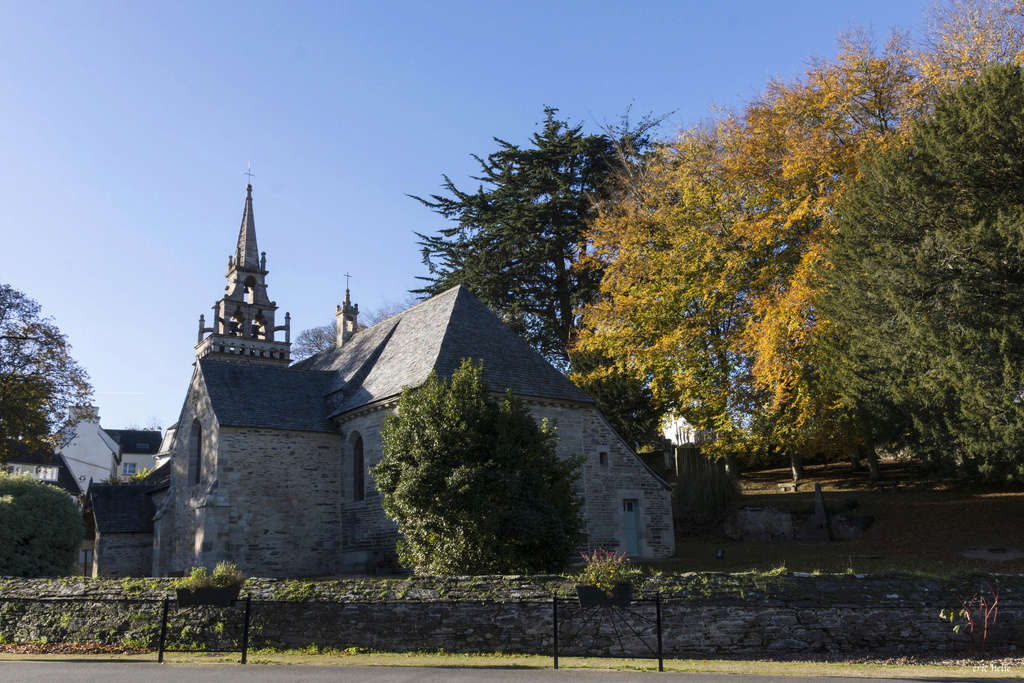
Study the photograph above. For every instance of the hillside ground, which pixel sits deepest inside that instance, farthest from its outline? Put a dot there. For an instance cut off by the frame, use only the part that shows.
(921, 523)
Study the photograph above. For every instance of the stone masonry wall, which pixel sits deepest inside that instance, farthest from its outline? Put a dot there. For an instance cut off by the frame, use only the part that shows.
(279, 499)
(268, 500)
(368, 536)
(117, 555)
(583, 431)
(179, 515)
(703, 615)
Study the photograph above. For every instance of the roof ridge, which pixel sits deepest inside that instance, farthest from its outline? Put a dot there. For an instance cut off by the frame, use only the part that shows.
(359, 376)
(287, 368)
(459, 286)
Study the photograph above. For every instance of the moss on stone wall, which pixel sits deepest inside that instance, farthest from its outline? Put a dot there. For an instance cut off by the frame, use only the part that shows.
(704, 614)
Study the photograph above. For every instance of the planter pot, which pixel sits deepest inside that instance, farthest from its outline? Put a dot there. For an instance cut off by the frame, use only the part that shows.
(622, 594)
(591, 596)
(218, 597)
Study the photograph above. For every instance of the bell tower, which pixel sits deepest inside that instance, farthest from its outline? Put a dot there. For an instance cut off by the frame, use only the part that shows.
(243, 328)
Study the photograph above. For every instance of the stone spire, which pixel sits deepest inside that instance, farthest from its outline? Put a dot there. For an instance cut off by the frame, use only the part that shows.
(347, 316)
(243, 328)
(247, 253)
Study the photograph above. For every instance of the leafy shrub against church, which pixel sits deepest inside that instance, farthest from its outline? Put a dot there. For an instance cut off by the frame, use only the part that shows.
(40, 528)
(474, 483)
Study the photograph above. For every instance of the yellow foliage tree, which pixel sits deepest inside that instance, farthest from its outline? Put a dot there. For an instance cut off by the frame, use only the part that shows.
(712, 257)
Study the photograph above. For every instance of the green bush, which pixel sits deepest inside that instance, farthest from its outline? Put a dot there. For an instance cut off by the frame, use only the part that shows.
(225, 575)
(228, 575)
(198, 578)
(41, 528)
(474, 483)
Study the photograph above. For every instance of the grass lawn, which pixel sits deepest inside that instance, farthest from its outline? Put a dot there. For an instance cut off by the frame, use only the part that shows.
(920, 525)
(993, 669)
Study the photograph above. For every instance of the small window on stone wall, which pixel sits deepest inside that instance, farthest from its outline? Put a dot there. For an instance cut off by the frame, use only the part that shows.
(358, 470)
(195, 459)
(603, 459)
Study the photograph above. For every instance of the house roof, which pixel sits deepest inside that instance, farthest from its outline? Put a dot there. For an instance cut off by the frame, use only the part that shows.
(65, 479)
(122, 508)
(136, 441)
(158, 479)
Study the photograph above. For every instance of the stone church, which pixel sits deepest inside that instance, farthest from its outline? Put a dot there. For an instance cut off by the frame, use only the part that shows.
(271, 461)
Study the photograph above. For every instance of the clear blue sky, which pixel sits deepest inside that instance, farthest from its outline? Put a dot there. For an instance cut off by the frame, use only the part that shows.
(127, 127)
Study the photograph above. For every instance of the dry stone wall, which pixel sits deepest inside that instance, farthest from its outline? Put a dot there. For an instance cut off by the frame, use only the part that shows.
(703, 615)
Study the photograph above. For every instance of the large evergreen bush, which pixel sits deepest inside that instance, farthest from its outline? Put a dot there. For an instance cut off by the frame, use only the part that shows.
(40, 528)
(474, 483)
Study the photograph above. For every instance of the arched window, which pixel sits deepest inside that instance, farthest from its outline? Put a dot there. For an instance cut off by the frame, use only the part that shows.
(250, 290)
(358, 470)
(258, 328)
(237, 324)
(195, 453)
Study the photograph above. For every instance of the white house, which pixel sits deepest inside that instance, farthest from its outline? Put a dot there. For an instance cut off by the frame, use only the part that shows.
(92, 455)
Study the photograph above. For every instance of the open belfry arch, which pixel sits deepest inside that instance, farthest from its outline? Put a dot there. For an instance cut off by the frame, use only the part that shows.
(244, 318)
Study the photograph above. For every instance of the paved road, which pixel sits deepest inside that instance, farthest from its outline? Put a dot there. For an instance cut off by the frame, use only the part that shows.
(147, 672)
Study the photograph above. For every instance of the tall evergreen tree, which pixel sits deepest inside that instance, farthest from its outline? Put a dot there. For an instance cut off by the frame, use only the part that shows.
(927, 290)
(517, 241)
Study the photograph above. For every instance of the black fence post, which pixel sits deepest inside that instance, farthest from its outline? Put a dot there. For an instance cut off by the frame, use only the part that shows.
(657, 608)
(163, 633)
(554, 620)
(245, 630)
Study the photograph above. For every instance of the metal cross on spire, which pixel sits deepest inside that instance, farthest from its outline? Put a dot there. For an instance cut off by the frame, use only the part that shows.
(249, 173)
(347, 278)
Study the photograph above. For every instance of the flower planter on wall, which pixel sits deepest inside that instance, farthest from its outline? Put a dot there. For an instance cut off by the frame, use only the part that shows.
(592, 596)
(217, 597)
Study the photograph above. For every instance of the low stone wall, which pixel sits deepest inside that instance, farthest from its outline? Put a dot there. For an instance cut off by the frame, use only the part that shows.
(710, 615)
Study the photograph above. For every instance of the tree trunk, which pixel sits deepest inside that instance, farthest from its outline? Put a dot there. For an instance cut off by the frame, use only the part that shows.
(855, 460)
(796, 466)
(564, 304)
(732, 466)
(872, 457)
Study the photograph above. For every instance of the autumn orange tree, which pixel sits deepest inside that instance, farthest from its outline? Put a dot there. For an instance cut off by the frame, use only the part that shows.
(713, 257)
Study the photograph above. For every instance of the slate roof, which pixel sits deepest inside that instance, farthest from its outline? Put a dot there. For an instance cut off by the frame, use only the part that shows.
(437, 334)
(266, 396)
(122, 508)
(158, 479)
(378, 362)
(65, 479)
(136, 441)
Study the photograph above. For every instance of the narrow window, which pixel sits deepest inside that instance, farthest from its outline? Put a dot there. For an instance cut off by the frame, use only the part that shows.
(358, 470)
(603, 459)
(196, 452)
(631, 526)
